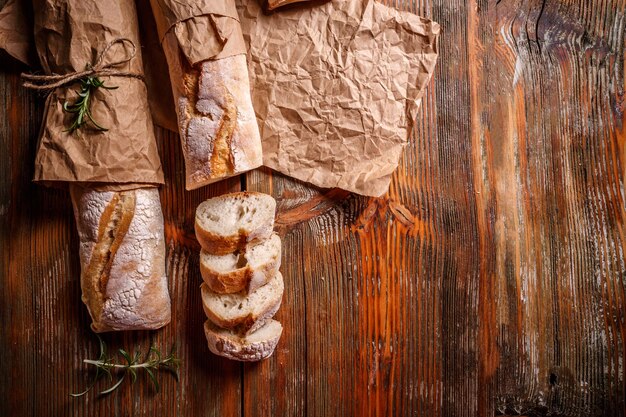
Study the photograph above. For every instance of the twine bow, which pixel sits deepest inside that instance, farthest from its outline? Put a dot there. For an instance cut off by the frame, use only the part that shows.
(48, 83)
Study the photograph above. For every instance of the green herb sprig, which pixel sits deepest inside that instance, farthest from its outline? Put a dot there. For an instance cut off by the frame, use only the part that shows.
(153, 362)
(81, 107)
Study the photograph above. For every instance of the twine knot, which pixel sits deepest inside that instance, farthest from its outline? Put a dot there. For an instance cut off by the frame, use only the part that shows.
(99, 68)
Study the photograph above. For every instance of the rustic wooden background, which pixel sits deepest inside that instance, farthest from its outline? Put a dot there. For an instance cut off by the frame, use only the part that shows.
(490, 280)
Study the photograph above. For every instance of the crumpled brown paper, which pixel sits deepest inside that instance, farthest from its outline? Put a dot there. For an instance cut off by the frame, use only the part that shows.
(336, 88)
(274, 4)
(69, 34)
(204, 29)
(160, 95)
(14, 38)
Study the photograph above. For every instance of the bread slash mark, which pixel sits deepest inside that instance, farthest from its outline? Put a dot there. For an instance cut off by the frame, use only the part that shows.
(114, 224)
(222, 158)
(191, 83)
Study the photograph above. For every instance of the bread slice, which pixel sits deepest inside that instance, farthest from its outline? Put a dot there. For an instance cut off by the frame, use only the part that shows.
(241, 311)
(228, 223)
(253, 347)
(235, 272)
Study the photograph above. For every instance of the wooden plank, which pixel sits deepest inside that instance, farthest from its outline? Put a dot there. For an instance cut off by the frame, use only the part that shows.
(16, 318)
(548, 255)
(490, 280)
(555, 181)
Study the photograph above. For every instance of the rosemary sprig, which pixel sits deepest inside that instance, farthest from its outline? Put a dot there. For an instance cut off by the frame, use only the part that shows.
(153, 361)
(81, 107)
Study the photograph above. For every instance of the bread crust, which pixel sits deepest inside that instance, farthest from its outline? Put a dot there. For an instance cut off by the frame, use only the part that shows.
(247, 278)
(246, 323)
(222, 245)
(122, 252)
(243, 279)
(239, 349)
(243, 324)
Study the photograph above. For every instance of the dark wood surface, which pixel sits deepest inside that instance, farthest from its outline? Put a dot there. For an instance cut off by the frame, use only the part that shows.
(490, 280)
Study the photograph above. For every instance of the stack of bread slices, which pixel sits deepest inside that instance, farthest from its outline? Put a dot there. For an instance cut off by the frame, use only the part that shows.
(239, 262)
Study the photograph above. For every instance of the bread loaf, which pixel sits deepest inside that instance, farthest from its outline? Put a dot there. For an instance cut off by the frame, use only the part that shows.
(229, 223)
(218, 128)
(253, 347)
(243, 311)
(245, 271)
(122, 255)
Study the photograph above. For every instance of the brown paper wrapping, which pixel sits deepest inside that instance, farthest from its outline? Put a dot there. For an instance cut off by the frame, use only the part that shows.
(274, 4)
(160, 98)
(336, 88)
(15, 39)
(204, 29)
(69, 34)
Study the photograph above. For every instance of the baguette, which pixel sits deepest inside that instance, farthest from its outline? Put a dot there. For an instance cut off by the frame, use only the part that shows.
(241, 311)
(253, 347)
(235, 272)
(229, 223)
(218, 129)
(122, 254)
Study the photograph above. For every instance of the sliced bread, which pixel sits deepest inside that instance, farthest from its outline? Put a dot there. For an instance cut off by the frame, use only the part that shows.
(243, 311)
(253, 347)
(228, 223)
(235, 272)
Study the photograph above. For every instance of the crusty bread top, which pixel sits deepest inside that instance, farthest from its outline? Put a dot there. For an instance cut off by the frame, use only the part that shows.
(231, 310)
(228, 223)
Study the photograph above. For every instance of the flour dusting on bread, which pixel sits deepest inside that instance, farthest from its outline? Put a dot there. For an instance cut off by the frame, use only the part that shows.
(122, 252)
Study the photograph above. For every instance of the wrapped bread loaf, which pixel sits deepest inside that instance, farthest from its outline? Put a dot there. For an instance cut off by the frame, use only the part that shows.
(122, 256)
(109, 159)
(206, 58)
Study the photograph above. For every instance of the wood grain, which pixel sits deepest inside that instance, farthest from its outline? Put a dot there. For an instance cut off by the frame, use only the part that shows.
(490, 280)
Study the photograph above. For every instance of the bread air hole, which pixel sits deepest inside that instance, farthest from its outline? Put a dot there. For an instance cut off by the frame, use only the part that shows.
(242, 262)
(243, 210)
(245, 214)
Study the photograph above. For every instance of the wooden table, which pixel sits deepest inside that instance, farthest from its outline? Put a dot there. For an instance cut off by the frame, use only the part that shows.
(490, 280)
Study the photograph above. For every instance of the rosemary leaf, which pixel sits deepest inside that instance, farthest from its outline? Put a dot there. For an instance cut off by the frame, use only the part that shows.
(153, 379)
(114, 387)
